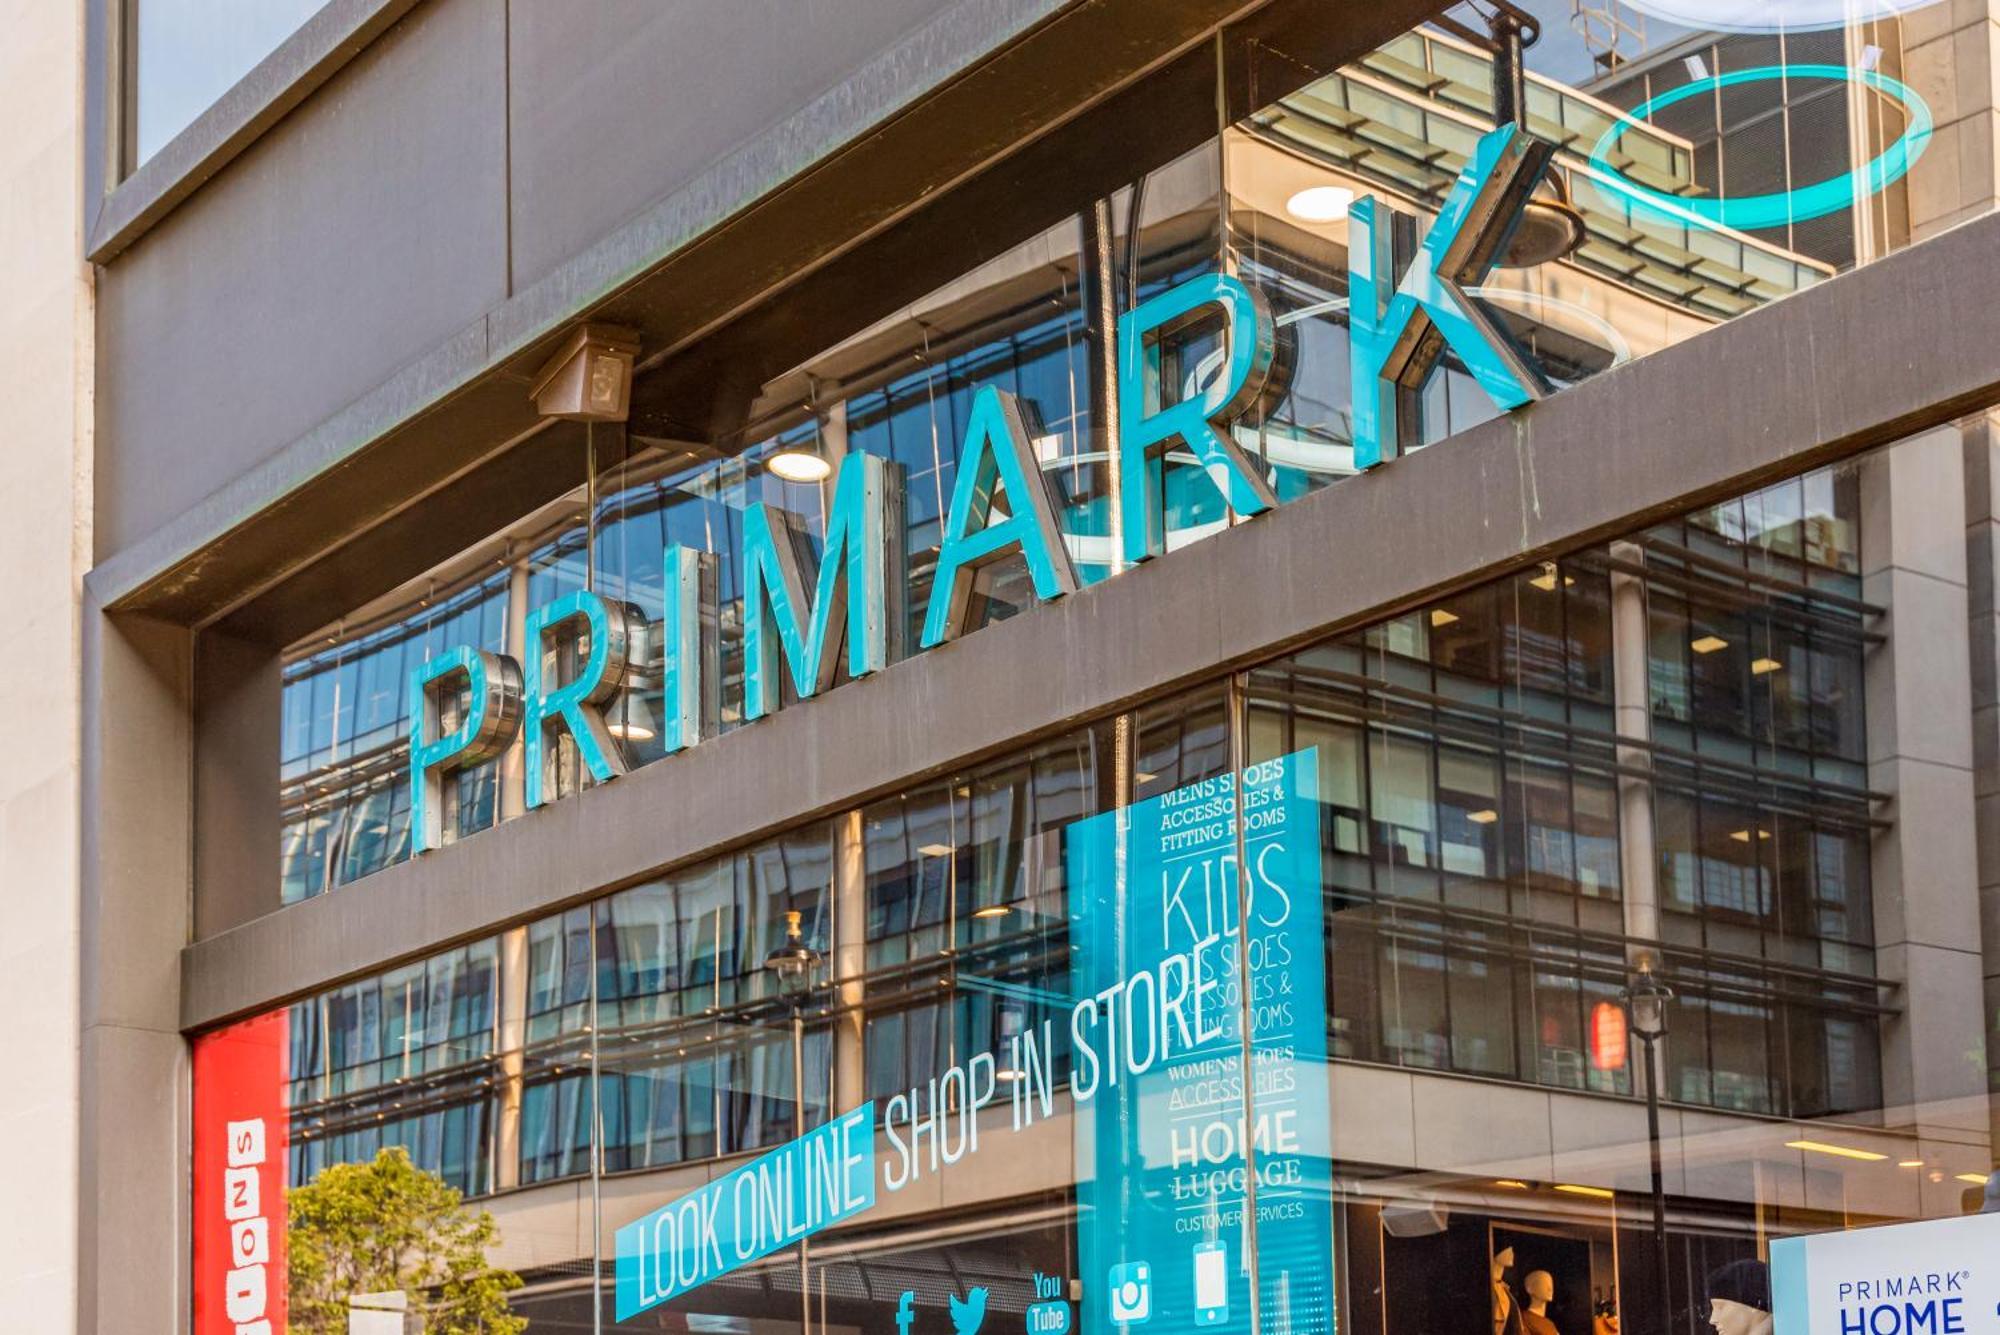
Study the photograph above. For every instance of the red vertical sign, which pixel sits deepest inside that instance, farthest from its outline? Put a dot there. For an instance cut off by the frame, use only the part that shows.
(240, 1157)
(1609, 1046)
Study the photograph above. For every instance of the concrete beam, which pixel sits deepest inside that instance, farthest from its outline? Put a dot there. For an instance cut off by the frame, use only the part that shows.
(1897, 347)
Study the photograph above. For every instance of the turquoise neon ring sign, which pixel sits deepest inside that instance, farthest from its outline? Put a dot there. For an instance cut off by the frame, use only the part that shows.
(1750, 212)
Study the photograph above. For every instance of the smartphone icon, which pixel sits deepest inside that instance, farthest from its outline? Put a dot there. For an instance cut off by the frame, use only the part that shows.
(1211, 1283)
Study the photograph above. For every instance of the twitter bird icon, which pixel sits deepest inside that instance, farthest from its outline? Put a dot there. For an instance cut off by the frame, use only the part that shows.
(968, 1314)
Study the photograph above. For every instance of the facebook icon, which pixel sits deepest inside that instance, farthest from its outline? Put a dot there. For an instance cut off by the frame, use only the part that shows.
(905, 1312)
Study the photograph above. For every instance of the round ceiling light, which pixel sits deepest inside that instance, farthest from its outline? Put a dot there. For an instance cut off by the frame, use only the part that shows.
(1320, 203)
(799, 466)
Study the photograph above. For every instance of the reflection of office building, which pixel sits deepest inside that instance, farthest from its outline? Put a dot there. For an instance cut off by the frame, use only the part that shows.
(1684, 667)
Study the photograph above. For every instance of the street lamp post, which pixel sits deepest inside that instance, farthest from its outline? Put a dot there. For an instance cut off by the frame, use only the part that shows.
(1646, 1008)
(794, 963)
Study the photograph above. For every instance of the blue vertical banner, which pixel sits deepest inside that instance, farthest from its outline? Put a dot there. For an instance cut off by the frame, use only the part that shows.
(1170, 970)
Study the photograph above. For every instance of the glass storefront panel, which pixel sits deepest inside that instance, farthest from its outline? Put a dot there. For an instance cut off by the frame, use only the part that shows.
(972, 1057)
(1017, 1047)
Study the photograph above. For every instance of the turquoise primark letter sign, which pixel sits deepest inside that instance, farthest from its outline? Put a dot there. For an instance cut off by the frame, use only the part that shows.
(573, 705)
(1399, 328)
(689, 671)
(1407, 303)
(1147, 430)
(492, 712)
(852, 589)
(999, 456)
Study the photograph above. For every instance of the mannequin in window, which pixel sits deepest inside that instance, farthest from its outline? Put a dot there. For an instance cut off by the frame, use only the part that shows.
(1541, 1287)
(1739, 1299)
(1506, 1312)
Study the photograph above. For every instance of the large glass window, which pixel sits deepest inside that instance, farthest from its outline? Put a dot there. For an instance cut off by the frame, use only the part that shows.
(394, 1061)
(1702, 173)
(1483, 821)
(1471, 775)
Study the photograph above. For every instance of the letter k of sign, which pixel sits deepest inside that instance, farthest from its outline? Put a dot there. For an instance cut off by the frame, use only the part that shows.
(1397, 334)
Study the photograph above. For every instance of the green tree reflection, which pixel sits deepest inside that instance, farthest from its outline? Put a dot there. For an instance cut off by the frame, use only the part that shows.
(386, 1227)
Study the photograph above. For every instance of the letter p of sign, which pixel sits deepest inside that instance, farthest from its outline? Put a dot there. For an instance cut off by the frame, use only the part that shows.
(485, 717)
(1399, 327)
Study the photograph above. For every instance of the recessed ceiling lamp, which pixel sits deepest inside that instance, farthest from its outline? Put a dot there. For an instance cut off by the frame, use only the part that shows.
(1761, 666)
(1320, 203)
(993, 911)
(936, 850)
(1440, 617)
(634, 722)
(799, 465)
(1486, 817)
(1837, 1151)
(1708, 644)
(1575, 1189)
(1549, 228)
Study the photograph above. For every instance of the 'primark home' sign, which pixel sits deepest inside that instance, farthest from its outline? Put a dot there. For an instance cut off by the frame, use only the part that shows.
(792, 614)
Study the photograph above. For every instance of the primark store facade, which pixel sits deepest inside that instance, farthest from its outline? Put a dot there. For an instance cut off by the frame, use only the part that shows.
(1046, 665)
